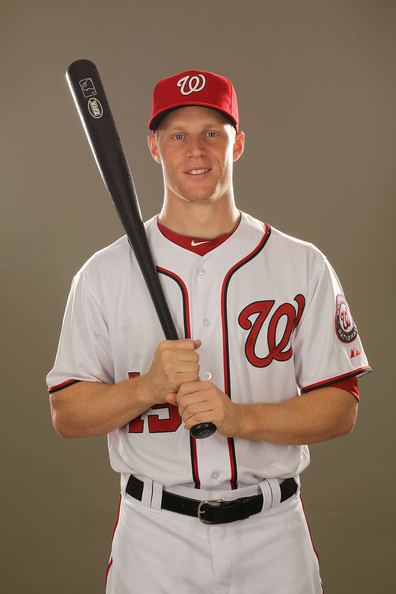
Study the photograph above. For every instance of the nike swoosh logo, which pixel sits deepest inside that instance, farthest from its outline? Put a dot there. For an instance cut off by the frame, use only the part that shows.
(195, 243)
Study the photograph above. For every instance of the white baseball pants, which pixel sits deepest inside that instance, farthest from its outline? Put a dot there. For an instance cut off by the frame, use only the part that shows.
(156, 551)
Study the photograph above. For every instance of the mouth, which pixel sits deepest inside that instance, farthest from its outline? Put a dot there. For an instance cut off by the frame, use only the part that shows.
(197, 172)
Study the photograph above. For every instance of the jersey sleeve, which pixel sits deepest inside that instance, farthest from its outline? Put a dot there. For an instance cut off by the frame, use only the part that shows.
(327, 346)
(83, 352)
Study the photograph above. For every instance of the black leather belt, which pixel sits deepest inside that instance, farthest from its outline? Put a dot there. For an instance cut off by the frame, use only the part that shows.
(213, 511)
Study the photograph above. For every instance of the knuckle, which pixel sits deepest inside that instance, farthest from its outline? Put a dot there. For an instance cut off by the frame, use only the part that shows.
(167, 355)
(167, 368)
(173, 377)
(191, 410)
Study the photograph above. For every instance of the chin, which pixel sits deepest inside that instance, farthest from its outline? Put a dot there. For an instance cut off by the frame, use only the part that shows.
(207, 195)
(191, 196)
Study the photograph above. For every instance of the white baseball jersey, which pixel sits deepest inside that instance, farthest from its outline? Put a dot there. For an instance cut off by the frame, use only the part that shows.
(273, 321)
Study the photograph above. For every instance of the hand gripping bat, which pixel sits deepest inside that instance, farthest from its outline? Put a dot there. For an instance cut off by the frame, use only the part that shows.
(97, 120)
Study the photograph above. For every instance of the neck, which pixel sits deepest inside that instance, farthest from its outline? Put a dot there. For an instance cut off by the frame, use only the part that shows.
(200, 219)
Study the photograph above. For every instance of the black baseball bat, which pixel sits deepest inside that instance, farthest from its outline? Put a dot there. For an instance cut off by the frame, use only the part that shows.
(96, 117)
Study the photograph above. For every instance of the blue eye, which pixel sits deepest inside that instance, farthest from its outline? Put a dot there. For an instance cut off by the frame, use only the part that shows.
(212, 133)
(179, 136)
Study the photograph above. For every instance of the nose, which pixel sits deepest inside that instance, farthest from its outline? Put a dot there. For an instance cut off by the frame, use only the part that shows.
(196, 146)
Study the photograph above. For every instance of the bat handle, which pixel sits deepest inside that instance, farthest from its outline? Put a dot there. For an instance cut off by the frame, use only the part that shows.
(202, 430)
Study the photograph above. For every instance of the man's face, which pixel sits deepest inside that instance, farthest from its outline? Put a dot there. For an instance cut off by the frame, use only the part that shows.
(196, 147)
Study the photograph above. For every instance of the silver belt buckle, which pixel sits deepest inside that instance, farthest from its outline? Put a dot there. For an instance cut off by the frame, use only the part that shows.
(210, 503)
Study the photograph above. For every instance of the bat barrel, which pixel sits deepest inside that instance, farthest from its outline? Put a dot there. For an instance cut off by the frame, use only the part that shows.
(96, 117)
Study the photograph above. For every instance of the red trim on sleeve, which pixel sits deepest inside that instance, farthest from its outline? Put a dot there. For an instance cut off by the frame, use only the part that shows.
(333, 380)
(63, 385)
(349, 385)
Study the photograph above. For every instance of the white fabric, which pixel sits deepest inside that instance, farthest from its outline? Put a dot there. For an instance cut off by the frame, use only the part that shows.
(110, 329)
(164, 552)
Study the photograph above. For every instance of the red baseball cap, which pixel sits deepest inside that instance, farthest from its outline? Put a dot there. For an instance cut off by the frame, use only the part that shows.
(194, 87)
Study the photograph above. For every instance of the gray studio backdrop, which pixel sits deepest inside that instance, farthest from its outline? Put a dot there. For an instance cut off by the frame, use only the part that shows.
(317, 94)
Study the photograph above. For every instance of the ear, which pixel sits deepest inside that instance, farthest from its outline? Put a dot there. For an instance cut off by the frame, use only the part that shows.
(153, 147)
(239, 145)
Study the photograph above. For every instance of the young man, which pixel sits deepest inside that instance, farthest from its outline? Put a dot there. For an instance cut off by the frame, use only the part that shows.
(268, 352)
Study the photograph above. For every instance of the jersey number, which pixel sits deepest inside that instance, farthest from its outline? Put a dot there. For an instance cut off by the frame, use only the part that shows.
(161, 418)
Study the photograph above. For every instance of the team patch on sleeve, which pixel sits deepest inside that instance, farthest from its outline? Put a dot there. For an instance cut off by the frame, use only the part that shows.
(345, 327)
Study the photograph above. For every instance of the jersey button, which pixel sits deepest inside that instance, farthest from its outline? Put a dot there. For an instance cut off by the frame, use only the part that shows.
(215, 475)
(207, 375)
(201, 272)
(206, 322)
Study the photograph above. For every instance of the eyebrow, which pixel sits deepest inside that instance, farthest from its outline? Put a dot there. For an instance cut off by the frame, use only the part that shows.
(208, 124)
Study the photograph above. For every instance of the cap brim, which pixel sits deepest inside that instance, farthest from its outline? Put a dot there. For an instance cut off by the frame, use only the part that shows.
(157, 118)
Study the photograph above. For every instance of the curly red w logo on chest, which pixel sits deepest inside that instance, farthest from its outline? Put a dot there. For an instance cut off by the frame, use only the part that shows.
(252, 319)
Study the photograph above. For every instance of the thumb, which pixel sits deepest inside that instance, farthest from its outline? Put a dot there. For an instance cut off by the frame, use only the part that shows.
(197, 344)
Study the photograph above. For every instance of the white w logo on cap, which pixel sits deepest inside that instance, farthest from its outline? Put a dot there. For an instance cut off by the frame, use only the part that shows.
(191, 84)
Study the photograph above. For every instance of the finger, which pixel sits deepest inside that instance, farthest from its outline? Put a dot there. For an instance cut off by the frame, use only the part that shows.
(192, 387)
(196, 408)
(187, 377)
(185, 343)
(189, 387)
(204, 417)
(171, 399)
(195, 403)
(187, 367)
(186, 355)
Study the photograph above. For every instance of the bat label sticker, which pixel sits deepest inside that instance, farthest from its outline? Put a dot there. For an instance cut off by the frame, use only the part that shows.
(95, 108)
(87, 87)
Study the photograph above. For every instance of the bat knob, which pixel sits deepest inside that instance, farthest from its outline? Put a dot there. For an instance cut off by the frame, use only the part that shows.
(203, 430)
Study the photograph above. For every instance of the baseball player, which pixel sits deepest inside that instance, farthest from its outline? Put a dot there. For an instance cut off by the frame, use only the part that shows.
(268, 352)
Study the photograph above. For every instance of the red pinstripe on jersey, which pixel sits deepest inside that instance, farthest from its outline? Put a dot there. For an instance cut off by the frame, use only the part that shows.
(187, 334)
(226, 347)
(185, 297)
